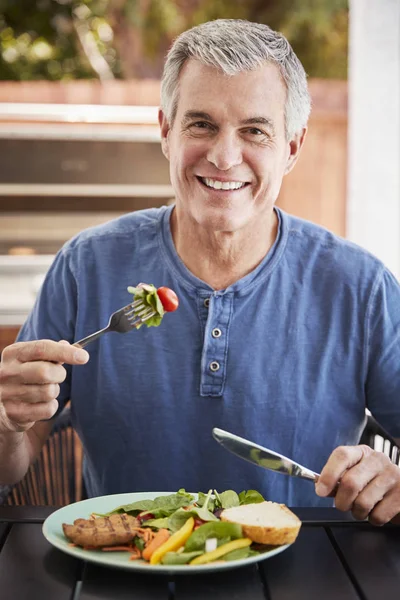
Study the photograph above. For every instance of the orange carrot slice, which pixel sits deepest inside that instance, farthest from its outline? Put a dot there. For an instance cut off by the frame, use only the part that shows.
(161, 536)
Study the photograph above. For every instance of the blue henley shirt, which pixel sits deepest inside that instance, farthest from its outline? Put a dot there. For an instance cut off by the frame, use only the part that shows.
(289, 356)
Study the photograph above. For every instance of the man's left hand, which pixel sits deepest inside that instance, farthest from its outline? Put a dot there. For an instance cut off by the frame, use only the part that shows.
(364, 481)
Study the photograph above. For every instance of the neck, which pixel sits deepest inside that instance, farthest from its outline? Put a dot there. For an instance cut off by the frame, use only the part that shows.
(222, 258)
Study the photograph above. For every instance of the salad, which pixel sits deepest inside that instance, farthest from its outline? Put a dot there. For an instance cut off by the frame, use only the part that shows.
(175, 529)
(160, 300)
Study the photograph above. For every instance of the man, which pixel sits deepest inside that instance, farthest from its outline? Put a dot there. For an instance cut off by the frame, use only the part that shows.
(284, 334)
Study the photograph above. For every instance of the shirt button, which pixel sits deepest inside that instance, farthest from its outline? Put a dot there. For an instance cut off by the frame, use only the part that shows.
(214, 366)
(216, 333)
(207, 302)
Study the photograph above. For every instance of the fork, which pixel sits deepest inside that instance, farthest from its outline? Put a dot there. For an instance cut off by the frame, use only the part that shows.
(126, 318)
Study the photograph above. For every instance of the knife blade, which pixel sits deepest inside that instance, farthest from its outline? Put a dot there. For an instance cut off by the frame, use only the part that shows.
(262, 457)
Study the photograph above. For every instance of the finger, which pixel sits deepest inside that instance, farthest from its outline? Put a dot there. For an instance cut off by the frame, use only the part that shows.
(48, 350)
(386, 511)
(23, 416)
(38, 372)
(379, 501)
(29, 394)
(355, 479)
(341, 459)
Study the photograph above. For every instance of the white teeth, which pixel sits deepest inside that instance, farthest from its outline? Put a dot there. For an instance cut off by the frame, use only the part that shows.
(222, 185)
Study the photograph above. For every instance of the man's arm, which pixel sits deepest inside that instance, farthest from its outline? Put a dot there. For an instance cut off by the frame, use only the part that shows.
(18, 450)
(30, 378)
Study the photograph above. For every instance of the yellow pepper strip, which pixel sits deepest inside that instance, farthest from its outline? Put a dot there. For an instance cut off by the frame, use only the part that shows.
(220, 551)
(176, 540)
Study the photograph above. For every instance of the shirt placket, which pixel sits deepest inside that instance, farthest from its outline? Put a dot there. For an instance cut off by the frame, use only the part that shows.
(215, 348)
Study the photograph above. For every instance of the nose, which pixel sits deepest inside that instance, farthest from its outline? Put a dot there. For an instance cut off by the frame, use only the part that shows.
(225, 152)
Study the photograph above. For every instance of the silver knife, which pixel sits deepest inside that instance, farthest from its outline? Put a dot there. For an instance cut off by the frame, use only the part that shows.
(267, 459)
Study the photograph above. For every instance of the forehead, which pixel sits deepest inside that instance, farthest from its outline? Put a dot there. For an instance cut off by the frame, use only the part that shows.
(208, 89)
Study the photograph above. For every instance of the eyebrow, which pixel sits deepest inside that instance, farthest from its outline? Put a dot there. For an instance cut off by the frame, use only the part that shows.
(259, 121)
(196, 114)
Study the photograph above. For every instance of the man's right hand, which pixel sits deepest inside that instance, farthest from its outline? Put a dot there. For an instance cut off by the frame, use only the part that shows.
(30, 374)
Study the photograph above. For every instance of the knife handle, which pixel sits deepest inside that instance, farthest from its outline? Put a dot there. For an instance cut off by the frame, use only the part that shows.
(333, 492)
(312, 476)
(305, 473)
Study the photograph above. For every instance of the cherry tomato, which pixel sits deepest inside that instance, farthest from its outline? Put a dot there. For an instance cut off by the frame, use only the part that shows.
(143, 518)
(168, 298)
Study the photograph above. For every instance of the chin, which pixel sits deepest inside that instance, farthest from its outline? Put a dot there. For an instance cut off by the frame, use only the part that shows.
(217, 221)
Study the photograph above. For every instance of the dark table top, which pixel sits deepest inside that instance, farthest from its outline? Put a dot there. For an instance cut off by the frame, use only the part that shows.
(333, 558)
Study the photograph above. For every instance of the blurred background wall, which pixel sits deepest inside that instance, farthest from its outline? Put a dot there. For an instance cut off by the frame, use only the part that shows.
(110, 53)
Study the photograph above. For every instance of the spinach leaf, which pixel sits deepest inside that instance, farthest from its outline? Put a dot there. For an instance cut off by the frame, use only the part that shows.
(157, 523)
(179, 558)
(223, 540)
(179, 517)
(162, 506)
(218, 529)
(218, 502)
(206, 500)
(229, 499)
(201, 498)
(239, 554)
(250, 497)
(147, 294)
(139, 543)
(204, 514)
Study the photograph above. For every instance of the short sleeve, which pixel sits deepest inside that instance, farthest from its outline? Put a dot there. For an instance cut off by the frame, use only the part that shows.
(383, 352)
(54, 313)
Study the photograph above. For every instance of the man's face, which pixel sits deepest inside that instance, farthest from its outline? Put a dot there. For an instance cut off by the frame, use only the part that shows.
(227, 147)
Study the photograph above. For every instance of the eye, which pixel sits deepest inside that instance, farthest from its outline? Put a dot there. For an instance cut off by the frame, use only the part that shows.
(199, 129)
(255, 131)
(201, 125)
(256, 135)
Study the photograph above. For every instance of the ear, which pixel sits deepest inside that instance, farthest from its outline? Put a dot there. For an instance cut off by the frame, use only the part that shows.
(165, 129)
(295, 145)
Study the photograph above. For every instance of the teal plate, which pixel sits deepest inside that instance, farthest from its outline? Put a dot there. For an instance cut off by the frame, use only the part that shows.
(52, 531)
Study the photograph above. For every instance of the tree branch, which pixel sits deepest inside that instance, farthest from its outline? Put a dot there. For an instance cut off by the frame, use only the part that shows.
(89, 46)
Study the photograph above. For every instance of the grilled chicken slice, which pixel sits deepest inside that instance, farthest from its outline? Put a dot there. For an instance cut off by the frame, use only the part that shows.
(102, 531)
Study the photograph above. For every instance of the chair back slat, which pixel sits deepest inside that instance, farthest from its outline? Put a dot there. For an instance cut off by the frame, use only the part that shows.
(55, 479)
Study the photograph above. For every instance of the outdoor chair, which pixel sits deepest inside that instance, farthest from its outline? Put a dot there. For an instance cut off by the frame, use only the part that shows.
(375, 436)
(56, 477)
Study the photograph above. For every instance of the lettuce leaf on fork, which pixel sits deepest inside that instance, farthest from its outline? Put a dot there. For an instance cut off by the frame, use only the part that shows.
(147, 294)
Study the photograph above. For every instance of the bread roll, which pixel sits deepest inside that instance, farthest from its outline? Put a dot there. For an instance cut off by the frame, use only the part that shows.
(265, 522)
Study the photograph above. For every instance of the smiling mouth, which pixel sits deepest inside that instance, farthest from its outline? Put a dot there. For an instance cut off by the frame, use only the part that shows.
(215, 184)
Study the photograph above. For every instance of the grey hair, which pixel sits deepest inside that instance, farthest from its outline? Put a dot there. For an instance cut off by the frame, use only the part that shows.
(233, 46)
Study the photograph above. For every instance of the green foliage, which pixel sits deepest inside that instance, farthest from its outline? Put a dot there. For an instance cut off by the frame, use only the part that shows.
(316, 29)
(318, 33)
(38, 38)
(162, 20)
(45, 39)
